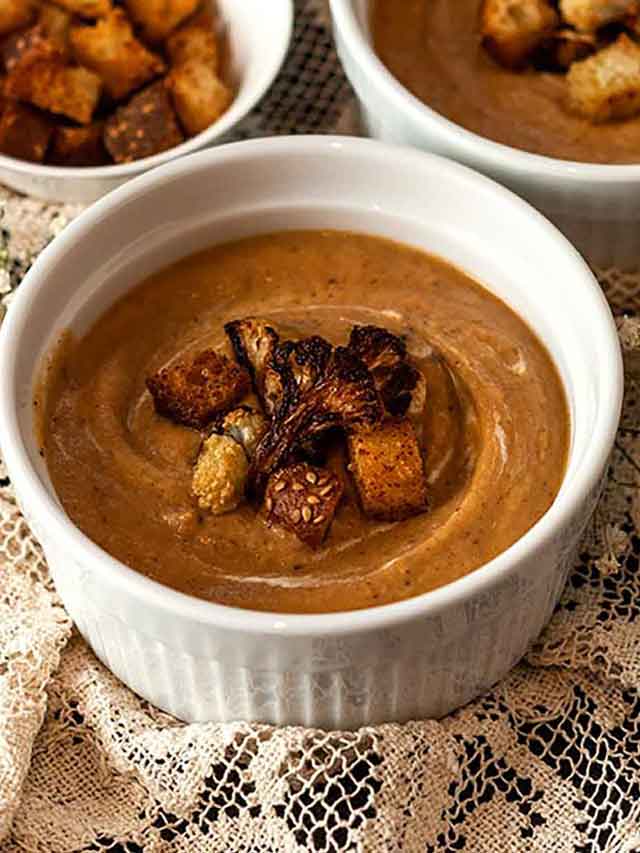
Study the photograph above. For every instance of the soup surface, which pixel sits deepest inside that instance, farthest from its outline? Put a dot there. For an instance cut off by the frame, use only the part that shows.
(433, 48)
(494, 428)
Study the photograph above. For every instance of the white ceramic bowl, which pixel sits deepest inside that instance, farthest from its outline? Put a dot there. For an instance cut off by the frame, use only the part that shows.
(258, 45)
(416, 658)
(596, 206)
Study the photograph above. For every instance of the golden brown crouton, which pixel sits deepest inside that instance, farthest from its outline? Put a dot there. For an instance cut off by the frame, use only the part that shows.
(303, 499)
(24, 132)
(194, 391)
(220, 474)
(607, 85)
(15, 14)
(145, 126)
(194, 40)
(86, 8)
(199, 96)
(111, 50)
(158, 18)
(513, 29)
(27, 46)
(78, 146)
(49, 84)
(388, 470)
(589, 15)
(55, 23)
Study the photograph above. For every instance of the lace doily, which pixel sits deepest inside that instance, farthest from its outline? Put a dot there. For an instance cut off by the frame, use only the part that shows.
(549, 761)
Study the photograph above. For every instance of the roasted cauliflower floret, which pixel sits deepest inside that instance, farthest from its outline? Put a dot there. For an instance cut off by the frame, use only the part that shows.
(333, 391)
(385, 354)
(254, 341)
(246, 426)
(220, 474)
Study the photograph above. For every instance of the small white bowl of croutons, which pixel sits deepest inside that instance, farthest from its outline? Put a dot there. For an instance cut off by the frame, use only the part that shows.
(541, 95)
(94, 92)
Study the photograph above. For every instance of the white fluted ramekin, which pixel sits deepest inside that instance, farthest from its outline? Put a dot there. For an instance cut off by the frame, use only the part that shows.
(258, 44)
(596, 206)
(416, 658)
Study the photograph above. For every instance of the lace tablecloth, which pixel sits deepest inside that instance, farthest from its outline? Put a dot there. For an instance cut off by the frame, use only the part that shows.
(548, 761)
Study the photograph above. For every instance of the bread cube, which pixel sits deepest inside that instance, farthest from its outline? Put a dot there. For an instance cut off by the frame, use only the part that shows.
(158, 18)
(145, 126)
(193, 391)
(78, 146)
(55, 23)
(42, 79)
(303, 499)
(388, 470)
(111, 50)
(607, 85)
(15, 14)
(24, 132)
(27, 46)
(589, 15)
(195, 40)
(86, 8)
(199, 96)
(513, 29)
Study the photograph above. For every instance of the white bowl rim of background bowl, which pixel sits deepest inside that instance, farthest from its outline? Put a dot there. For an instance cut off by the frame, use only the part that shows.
(496, 155)
(42, 505)
(227, 121)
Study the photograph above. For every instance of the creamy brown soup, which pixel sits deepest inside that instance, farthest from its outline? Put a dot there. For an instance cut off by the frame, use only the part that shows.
(494, 427)
(433, 48)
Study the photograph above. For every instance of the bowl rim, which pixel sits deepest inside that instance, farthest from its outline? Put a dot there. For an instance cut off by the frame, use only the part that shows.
(252, 622)
(495, 155)
(227, 121)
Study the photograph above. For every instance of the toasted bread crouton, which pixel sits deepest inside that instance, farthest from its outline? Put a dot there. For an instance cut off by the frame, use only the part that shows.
(195, 40)
(192, 392)
(145, 126)
(220, 474)
(111, 50)
(29, 47)
(55, 23)
(158, 18)
(303, 499)
(589, 15)
(607, 85)
(15, 14)
(388, 470)
(49, 84)
(24, 132)
(86, 8)
(199, 96)
(513, 29)
(78, 146)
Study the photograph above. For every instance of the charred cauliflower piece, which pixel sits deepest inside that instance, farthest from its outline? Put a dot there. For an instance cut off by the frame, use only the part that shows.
(220, 475)
(254, 341)
(385, 354)
(245, 426)
(329, 390)
(303, 499)
(388, 470)
(193, 391)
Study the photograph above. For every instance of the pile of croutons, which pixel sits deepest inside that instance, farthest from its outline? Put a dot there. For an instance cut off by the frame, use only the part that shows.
(269, 415)
(89, 83)
(595, 42)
